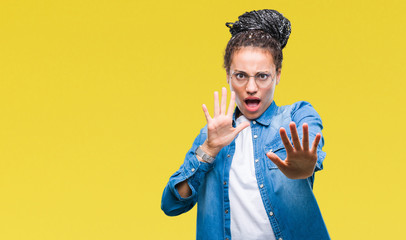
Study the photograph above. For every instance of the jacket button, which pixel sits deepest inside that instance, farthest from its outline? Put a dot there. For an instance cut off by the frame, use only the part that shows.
(271, 213)
(225, 183)
(226, 211)
(261, 186)
(255, 136)
(228, 155)
(226, 238)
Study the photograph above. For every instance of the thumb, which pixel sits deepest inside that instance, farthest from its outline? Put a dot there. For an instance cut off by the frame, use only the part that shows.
(275, 159)
(241, 127)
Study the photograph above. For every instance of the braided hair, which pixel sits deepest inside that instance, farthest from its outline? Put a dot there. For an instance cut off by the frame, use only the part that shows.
(265, 28)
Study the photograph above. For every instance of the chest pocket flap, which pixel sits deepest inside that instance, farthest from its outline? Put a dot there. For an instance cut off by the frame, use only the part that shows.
(277, 147)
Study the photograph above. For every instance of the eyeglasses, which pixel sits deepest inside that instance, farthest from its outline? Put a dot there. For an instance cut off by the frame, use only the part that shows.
(261, 79)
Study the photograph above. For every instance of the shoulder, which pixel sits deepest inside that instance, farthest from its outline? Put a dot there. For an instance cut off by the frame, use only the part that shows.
(302, 109)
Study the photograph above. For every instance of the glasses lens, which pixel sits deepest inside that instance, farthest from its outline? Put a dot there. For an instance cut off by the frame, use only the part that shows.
(240, 78)
(261, 79)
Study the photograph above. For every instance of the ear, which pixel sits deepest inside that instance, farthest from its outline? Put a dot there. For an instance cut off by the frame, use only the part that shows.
(278, 76)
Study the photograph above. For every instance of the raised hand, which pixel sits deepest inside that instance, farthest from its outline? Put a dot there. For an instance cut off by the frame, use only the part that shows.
(220, 131)
(300, 160)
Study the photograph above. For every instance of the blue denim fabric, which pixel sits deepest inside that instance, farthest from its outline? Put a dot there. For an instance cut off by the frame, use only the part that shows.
(292, 209)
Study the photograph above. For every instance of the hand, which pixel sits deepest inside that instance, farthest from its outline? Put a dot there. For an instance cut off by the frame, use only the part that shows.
(220, 131)
(300, 161)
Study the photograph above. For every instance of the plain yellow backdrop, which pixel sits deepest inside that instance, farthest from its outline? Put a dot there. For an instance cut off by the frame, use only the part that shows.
(100, 100)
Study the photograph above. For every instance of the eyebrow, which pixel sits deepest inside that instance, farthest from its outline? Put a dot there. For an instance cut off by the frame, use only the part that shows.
(267, 72)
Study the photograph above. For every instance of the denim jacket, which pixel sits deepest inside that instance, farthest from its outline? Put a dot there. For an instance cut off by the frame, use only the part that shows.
(291, 207)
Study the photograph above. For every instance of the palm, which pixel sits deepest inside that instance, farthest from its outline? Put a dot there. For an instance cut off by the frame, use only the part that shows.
(220, 131)
(300, 160)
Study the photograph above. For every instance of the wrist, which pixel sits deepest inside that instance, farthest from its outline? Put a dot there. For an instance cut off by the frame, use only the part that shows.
(210, 150)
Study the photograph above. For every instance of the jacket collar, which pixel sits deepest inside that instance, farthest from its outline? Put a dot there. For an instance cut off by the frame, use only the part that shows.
(264, 119)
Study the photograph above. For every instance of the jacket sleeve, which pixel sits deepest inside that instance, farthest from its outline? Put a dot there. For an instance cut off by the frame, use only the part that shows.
(194, 171)
(303, 112)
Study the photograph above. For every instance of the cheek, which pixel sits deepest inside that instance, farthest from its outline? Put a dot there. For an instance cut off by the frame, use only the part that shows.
(269, 93)
(231, 86)
(235, 89)
(271, 89)
(238, 94)
(237, 98)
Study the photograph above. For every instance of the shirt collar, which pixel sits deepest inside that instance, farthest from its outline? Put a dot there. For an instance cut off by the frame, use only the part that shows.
(265, 118)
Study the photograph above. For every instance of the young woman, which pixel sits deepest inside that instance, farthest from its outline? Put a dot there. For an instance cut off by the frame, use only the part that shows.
(252, 179)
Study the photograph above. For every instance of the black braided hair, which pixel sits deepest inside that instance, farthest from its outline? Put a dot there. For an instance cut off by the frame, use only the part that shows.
(265, 28)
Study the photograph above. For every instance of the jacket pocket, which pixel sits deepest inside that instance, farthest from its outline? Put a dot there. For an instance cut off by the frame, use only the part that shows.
(276, 146)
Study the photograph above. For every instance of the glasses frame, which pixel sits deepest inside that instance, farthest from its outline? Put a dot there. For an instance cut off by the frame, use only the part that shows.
(259, 82)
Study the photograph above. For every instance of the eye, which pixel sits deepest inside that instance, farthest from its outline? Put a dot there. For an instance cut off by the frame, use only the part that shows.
(262, 76)
(240, 76)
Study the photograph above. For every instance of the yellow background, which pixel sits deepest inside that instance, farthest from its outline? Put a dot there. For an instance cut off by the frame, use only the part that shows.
(100, 100)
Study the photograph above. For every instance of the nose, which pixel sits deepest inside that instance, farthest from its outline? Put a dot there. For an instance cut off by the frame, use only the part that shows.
(251, 87)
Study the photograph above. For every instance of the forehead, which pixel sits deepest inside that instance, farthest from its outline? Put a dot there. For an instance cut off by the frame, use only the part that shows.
(252, 59)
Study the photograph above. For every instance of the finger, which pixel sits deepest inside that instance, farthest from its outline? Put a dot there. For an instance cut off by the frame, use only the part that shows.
(216, 104)
(275, 159)
(223, 101)
(305, 140)
(285, 140)
(240, 127)
(315, 143)
(295, 136)
(206, 113)
(232, 104)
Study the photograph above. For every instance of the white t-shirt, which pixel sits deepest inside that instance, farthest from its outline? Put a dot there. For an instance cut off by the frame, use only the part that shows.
(249, 220)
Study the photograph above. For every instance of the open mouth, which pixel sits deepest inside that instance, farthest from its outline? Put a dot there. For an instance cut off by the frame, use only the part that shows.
(252, 104)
